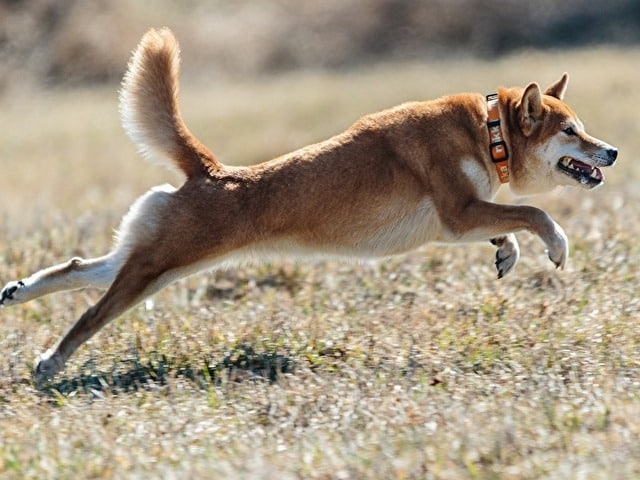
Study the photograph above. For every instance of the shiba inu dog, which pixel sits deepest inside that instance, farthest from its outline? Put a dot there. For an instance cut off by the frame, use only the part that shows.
(416, 173)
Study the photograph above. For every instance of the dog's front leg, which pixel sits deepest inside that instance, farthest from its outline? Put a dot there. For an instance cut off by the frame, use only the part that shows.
(479, 220)
(508, 253)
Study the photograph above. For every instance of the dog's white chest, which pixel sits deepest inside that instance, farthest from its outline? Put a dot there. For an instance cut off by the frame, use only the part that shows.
(478, 177)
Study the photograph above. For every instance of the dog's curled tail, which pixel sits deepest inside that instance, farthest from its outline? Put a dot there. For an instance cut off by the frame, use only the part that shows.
(149, 107)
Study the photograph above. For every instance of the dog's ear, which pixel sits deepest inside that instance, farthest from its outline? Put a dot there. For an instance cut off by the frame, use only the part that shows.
(530, 108)
(558, 88)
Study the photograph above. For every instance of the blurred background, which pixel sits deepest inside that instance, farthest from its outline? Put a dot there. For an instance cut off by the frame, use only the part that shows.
(71, 42)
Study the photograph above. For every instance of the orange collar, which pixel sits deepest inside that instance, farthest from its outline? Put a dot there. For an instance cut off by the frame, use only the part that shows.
(497, 145)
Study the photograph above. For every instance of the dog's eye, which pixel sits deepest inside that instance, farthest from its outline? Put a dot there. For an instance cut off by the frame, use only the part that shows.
(569, 131)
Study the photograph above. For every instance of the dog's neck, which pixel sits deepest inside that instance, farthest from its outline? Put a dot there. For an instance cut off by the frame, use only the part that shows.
(497, 145)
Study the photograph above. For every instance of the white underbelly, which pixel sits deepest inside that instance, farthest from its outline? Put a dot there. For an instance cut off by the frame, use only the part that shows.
(401, 230)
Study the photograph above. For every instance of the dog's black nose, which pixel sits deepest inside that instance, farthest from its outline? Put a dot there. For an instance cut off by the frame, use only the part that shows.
(612, 153)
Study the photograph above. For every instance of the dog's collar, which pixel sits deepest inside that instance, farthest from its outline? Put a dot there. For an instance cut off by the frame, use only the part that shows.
(497, 145)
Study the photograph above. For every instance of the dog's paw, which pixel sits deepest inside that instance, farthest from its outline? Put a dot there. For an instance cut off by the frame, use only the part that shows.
(47, 365)
(557, 246)
(507, 255)
(10, 294)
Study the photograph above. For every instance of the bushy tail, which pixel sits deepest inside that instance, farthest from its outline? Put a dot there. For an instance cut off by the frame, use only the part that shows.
(149, 107)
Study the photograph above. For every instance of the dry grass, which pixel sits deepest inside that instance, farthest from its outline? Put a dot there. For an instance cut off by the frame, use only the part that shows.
(421, 366)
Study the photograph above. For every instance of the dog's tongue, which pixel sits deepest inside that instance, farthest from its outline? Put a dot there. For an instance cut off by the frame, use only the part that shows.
(595, 172)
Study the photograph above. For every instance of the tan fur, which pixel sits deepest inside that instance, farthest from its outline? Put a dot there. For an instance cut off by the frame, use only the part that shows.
(416, 173)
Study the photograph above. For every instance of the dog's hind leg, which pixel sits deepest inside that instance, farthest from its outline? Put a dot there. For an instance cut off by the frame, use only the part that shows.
(73, 274)
(138, 278)
(99, 272)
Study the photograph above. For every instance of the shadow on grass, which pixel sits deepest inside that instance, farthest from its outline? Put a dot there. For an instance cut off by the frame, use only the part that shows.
(155, 370)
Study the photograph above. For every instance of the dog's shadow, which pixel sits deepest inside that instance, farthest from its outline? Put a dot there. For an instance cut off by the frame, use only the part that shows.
(155, 370)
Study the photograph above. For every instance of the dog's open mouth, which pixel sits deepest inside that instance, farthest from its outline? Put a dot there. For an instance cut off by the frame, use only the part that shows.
(586, 175)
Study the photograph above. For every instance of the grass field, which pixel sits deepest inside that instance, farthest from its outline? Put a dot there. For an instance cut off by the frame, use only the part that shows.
(420, 366)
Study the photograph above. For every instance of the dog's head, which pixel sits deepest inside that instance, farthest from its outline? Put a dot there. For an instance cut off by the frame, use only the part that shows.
(549, 144)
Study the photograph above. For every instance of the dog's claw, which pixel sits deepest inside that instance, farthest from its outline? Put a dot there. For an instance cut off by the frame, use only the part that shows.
(9, 290)
(498, 264)
(559, 264)
(507, 255)
(501, 271)
(47, 365)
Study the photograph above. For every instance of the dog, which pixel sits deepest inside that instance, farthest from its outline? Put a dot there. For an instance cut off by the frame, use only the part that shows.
(419, 172)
